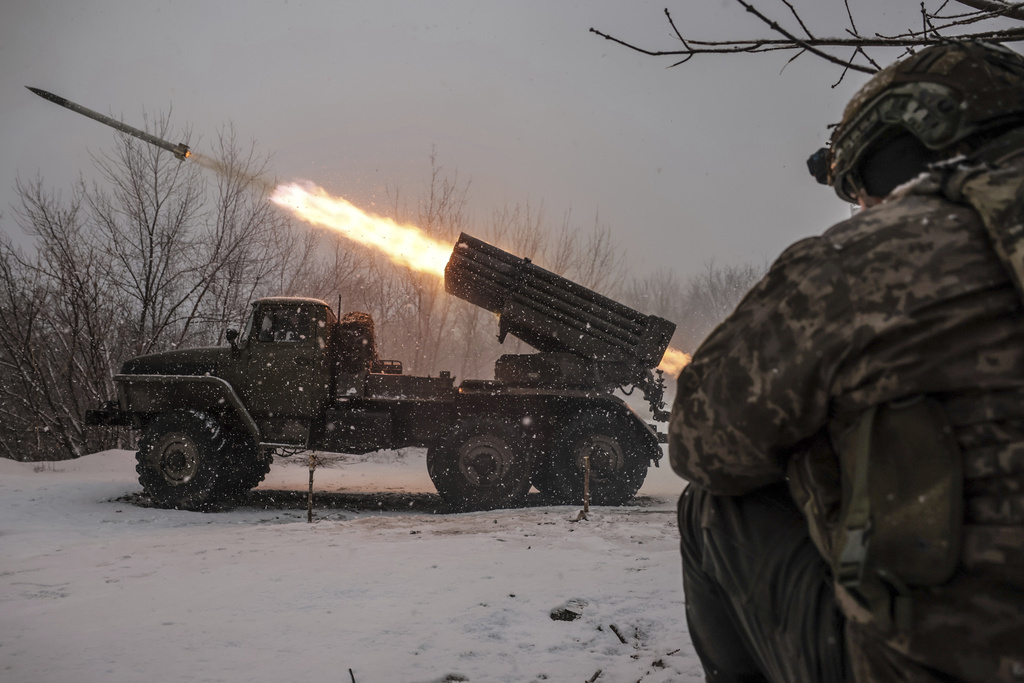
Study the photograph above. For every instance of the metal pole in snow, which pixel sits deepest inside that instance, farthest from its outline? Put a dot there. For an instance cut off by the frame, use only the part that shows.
(309, 500)
(586, 484)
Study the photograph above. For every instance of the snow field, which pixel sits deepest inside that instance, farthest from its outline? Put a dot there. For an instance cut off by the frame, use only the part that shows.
(96, 589)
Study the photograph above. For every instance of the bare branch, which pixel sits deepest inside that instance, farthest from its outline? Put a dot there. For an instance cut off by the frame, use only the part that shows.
(845, 71)
(1013, 10)
(935, 27)
(849, 14)
(791, 60)
(799, 19)
(672, 23)
(813, 50)
(866, 56)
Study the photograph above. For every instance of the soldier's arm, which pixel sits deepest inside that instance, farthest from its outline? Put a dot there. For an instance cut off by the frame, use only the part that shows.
(759, 385)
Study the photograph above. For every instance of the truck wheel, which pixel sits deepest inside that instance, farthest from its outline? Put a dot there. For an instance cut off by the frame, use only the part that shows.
(618, 460)
(244, 466)
(482, 464)
(179, 458)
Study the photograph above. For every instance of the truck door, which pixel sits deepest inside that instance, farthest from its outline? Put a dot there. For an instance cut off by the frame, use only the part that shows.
(286, 374)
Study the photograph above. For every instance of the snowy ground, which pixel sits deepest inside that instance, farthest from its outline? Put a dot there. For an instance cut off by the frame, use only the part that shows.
(94, 587)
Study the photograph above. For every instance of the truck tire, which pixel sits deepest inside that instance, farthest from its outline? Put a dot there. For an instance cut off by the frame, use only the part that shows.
(483, 463)
(618, 460)
(244, 467)
(179, 459)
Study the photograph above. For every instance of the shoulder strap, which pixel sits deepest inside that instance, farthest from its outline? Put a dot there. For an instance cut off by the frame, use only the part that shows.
(992, 183)
(852, 554)
(998, 197)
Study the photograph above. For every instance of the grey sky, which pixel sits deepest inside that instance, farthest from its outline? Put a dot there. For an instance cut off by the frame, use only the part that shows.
(701, 162)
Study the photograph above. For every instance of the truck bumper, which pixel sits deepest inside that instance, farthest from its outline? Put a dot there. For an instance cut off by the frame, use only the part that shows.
(108, 416)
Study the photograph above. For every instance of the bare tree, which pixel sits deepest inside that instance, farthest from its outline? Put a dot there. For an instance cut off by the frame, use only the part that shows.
(250, 243)
(696, 304)
(155, 256)
(441, 212)
(520, 228)
(140, 261)
(713, 294)
(57, 330)
(146, 216)
(659, 293)
(599, 263)
(848, 47)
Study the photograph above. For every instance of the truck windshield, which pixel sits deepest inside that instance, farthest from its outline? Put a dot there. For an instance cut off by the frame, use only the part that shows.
(284, 324)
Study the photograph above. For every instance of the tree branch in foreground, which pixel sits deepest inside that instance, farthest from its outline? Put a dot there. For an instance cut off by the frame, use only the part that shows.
(936, 28)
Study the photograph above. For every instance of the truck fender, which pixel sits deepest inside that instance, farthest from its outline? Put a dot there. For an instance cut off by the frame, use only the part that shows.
(643, 430)
(164, 393)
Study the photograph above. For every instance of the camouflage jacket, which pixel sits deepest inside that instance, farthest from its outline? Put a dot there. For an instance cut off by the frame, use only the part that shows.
(903, 299)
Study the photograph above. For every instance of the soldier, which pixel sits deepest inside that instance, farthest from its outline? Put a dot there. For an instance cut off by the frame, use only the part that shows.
(853, 433)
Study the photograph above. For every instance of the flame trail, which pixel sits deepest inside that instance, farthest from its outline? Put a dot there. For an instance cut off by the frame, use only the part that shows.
(674, 361)
(403, 244)
(406, 245)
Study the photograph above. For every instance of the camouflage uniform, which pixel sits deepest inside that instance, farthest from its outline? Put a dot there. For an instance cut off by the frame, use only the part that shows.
(904, 299)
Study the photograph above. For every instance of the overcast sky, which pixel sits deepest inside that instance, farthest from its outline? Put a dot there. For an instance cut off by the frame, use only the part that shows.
(701, 162)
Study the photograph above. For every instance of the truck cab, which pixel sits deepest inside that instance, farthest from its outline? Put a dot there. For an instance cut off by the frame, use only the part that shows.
(282, 367)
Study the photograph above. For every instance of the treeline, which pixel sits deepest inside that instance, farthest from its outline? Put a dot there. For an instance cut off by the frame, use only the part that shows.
(158, 254)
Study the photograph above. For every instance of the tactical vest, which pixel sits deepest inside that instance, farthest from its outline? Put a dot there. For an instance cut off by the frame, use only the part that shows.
(901, 520)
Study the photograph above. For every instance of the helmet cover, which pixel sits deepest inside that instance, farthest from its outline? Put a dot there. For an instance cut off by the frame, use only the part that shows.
(940, 95)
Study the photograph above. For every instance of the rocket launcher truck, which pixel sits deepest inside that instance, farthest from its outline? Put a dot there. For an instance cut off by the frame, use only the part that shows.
(299, 378)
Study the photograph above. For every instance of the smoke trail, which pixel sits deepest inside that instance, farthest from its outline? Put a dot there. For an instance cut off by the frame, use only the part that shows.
(228, 171)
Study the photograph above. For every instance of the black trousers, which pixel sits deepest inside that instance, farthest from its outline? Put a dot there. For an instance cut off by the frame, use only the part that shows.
(759, 597)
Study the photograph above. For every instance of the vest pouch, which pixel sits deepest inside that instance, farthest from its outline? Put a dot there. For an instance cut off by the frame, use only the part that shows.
(901, 521)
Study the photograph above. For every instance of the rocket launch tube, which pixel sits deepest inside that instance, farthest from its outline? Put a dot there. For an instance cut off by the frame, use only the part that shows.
(179, 150)
(550, 312)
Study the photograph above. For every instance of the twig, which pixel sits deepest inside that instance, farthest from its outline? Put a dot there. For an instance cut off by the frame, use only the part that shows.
(791, 60)
(866, 56)
(615, 630)
(352, 675)
(798, 19)
(997, 8)
(802, 43)
(845, 70)
(850, 15)
(594, 677)
(672, 23)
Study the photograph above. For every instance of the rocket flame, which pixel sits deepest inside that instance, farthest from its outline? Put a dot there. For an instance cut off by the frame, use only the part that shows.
(406, 245)
(674, 361)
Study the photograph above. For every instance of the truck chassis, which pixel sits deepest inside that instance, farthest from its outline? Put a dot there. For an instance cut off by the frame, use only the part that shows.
(297, 377)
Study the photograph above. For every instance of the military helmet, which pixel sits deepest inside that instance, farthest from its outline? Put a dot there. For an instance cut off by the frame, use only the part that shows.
(942, 95)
